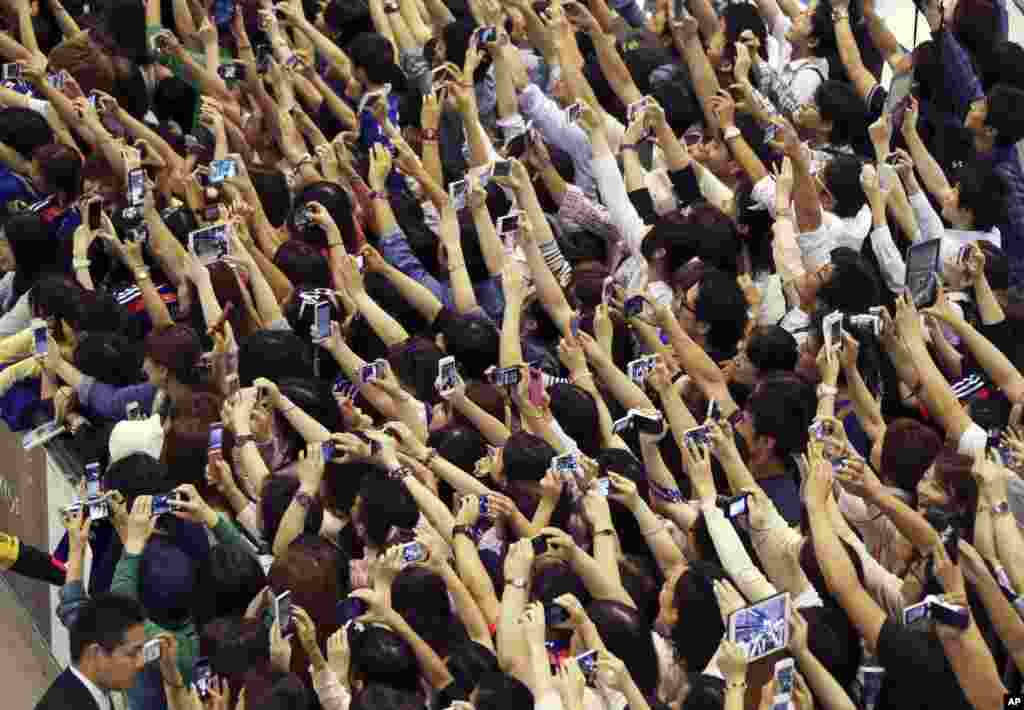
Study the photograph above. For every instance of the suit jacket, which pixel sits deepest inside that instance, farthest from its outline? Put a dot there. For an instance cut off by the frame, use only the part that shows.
(67, 693)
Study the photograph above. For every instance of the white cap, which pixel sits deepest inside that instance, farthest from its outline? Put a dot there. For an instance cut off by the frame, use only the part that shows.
(138, 436)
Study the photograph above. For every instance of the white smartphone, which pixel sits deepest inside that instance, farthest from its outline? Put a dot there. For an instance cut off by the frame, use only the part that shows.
(762, 628)
(832, 328)
(785, 673)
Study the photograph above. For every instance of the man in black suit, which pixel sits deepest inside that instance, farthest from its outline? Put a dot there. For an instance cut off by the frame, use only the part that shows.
(106, 654)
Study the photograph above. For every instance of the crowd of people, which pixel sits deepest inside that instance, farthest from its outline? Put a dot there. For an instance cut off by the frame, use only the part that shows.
(498, 355)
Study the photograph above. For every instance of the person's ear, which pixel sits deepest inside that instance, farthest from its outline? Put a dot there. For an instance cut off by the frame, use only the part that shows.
(439, 340)
(703, 328)
(660, 253)
(812, 42)
(764, 447)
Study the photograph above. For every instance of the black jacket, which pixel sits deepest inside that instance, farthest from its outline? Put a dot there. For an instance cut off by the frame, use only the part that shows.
(67, 693)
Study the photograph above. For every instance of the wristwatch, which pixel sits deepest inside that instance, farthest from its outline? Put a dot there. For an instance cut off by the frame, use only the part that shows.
(519, 582)
(1001, 508)
(827, 391)
(305, 500)
(466, 530)
(731, 132)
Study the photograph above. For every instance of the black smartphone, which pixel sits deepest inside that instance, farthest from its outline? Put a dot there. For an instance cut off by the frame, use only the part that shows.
(95, 214)
(540, 544)
(951, 540)
(923, 272)
(555, 614)
(350, 608)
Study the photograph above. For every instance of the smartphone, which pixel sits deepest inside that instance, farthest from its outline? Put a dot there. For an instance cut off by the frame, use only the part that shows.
(501, 168)
(761, 629)
(486, 35)
(648, 422)
(40, 334)
(870, 324)
(603, 486)
(202, 673)
(950, 536)
(94, 213)
(535, 387)
(368, 373)
(131, 411)
(42, 434)
(222, 169)
(735, 506)
(869, 680)
(92, 481)
(699, 435)
(574, 326)
(457, 192)
(414, 552)
(509, 224)
(12, 71)
(785, 673)
(506, 376)
(231, 71)
(633, 306)
(621, 425)
(209, 244)
(70, 511)
(572, 113)
(923, 272)
(323, 320)
(635, 110)
(485, 507)
(327, 450)
(555, 614)
(566, 465)
(350, 608)
(214, 449)
(264, 53)
(515, 147)
(588, 664)
(447, 374)
(540, 544)
(639, 369)
(136, 187)
(832, 329)
(163, 504)
(954, 615)
(916, 612)
(283, 612)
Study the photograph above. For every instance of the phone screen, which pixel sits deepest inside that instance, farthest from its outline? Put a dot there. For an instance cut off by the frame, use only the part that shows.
(210, 243)
(633, 306)
(283, 612)
(447, 373)
(216, 438)
(784, 671)
(899, 91)
(762, 628)
(136, 187)
(922, 272)
(323, 320)
(220, 170)
(95, 212)
(92, 481)
(41, 333)
(350, 608)
(201, 674)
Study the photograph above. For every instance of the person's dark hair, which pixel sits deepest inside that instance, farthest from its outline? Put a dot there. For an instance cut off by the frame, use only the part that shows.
(472, 255)
(699, 629)
(1004, 65)
(625, 464)
(908, 449)
(374, 54)
(228, 580)
(276, 496)
(300, 311)
(303, 264)
(175, 100)
(167, 581)
(984, 192)
(722, 305)
(386, 503)
(471, 340)
(309, 569)
(640, 579)
(526, 457)
(137, 475)
(997, 266)
(459, 444)
(131, 93)
(24, 130)
(576, 412)
(500, 691)
(853, 286)
(681, 108)
(812, 567)
(421, 598)
(61, 166)
(414, 363)
(839, 104)
(379, 655)
(289, 692)
(384, 697)
(314, 397)
(823, 29)
(706, 692)
(772, 347)
(234, 645)
(177, 348)
(109, 357)
(274, 195)
(842, 178)
(457, 36)
(28, 237)
(341, 484)
(739, 18)
(782, 406)
(104, 619)
(627, 635)
(274, 354)
(953, 473)
(468, 661)
(124, 24)
(337, 203)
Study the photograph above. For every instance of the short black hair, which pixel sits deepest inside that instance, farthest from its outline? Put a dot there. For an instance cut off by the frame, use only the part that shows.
(723, 307)
(839, 104)
(337, 203)
(699, 629)
(275, 497)
(273, 193)
(627, 635)
(681, 108)
(575, 410)
(386, 503)
(823, 28)
(380, 655)
(853, 287)
(526, 457)
(473, 341)
(984, 192)
(109, 357)
(468, 662)
(104, 619)
(842, 178)
(24, 130)
(374, 54)
(303, 264)
(228, 580)
(772, 347)
(137, 475)
(782, 406)
(500, 691)
(274, 354)
(383, 697)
